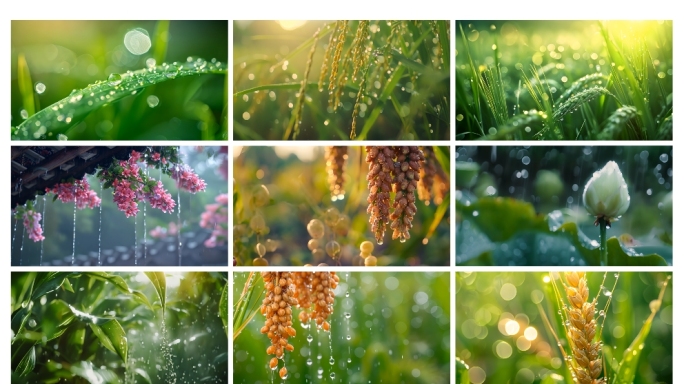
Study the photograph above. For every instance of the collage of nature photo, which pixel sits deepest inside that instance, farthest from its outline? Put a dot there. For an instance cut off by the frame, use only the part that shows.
(163, 230)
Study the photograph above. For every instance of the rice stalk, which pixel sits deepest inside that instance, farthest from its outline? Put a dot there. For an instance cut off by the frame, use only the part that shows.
(328, 55)
(620, 123)
(588, 81)
(577, 100)
(296, 119)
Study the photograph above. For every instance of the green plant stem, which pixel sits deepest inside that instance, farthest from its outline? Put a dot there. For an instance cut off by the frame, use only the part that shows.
(603, 248)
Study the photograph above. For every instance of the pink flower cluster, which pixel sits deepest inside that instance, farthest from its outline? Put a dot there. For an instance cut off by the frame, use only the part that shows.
(79, 192)
(125, 198)
(187, 179)
(128, 188)
(159, 198)
(32, 225)
(215, 217)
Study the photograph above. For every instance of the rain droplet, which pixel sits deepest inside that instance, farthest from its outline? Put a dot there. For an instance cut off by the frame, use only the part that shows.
(152, 101)
(40, 88)
(114, 79)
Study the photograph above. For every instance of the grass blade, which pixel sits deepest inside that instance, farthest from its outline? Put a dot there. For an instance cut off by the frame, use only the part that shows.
(442, 26)
(69, 111)
(25, 85)
(629, 364)
(223, 307)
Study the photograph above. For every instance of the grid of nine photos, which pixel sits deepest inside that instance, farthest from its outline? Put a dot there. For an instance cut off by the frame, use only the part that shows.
(342, 255)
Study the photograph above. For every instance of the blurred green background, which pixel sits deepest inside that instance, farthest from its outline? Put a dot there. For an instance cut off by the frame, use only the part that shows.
(195, 348)
(114, 227)
(297, 180)
(501, 335)
(69, 55)
(398, 331)
(550, 180)
(420, 101)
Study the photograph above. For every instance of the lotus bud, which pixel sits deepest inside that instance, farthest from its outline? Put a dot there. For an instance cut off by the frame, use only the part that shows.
(606, 195)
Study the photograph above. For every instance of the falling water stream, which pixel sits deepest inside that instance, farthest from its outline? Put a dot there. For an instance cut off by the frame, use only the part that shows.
(73, 244)
(99, 235)
(42, 241)
(14, 233)
(169, 369)
(135, 234)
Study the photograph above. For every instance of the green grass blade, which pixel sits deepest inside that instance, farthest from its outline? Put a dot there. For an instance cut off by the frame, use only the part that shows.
(161, 41)
(25, 85)
(638, 97)
(223, 307)
(630, 361)
(158, 280)
(474, 83)
(72, 109)
(286, 86)
(462, 375)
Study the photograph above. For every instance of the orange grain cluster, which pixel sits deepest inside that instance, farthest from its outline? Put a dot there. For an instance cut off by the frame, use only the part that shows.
(380, 166)
(587, 363)
(312, 292)
(398, 169)
(277, 308)
(434, 182)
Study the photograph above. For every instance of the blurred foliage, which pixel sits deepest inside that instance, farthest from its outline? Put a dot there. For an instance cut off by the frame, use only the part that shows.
(398, 331)
(116, 229)
(502, 337)
(538, 217)
(297, 180)
(525, 80)
(406, 81)
(60, 321)
(51, 59)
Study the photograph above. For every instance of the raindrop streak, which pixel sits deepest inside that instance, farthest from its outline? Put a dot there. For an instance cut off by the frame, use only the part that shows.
(135, 234)
(14, 233)
(42, 241)
(99, 235)
(21, 250)
(179, 210)
(332, 360)
(147, 174)
(73, 244)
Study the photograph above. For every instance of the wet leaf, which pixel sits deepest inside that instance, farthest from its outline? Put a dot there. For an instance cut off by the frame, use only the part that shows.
(514, 225)
(223, 308)
(630, 361)
(112, 336)
(462, 375)
(158, 280)
(71, 110)
(27, 363)
(119, 283)
(25, 85)
(143, 374)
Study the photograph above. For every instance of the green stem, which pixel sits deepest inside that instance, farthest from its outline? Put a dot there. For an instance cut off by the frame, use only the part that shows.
(603, 248)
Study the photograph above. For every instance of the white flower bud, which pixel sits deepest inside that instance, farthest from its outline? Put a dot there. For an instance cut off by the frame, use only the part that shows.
(606, 195)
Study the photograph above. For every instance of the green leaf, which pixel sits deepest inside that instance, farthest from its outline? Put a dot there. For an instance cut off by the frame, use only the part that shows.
(386, 92)
(462, 375)
(67, 286)
(158, 280)
(74, 108)
(25, 85)
(514, 222)
(27, 363)
(223, 307)
(112, 336)
(119, 283)
(630, 360)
